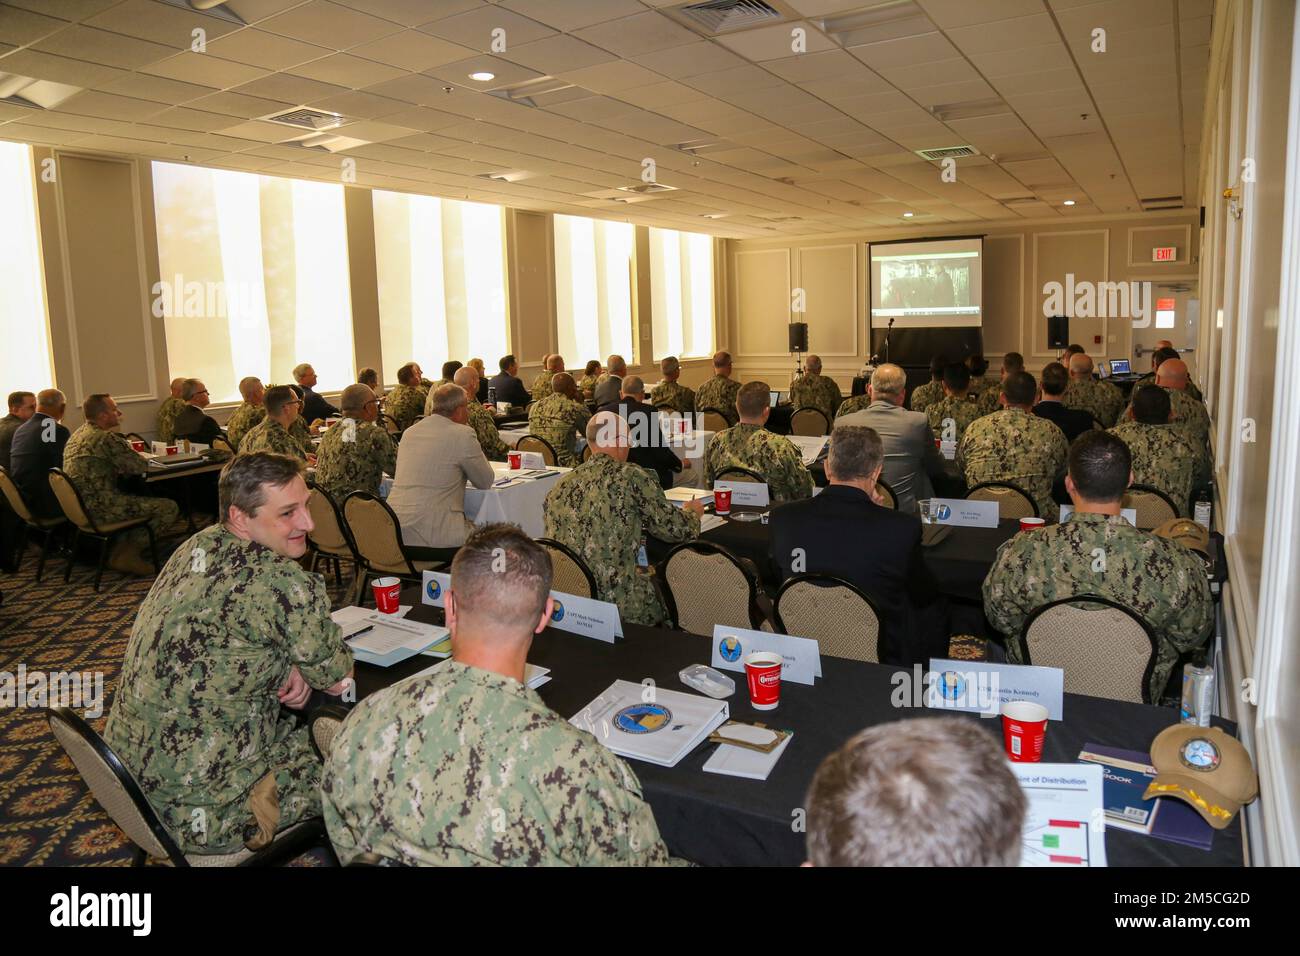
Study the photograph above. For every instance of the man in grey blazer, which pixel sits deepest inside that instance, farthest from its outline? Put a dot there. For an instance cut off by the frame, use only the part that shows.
(911, 457)
(438, 455)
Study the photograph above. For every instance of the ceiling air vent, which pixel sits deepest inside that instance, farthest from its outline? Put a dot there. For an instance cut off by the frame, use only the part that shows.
(32, 93)
(1020, 200)
(783, 218)
(647, 188)
(724, 16)
(308, 119)
(509, 176)
(1162, 202)
(947, 152)
(327, 143)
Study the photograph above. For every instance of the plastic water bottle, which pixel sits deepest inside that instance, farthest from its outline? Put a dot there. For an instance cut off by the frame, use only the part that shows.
(1201, 513)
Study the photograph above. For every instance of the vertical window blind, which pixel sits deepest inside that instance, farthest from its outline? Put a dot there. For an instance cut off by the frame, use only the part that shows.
(593, 289)
(681, 293)
(25, 362)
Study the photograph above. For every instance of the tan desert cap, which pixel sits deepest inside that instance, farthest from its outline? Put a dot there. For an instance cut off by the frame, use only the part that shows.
(1187, 533)
(1205, 767)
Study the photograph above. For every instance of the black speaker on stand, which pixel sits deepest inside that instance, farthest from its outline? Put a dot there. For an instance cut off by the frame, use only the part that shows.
(1058, 331)
(798, 345)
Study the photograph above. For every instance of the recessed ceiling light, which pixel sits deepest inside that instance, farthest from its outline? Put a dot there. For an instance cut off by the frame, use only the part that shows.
(907, 215)
(482, 76)
(1068, 202)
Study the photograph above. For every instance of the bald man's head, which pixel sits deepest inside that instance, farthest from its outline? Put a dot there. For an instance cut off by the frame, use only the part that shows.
(467, 378)
(814, 364)
(1080, 367)
(1172, 373)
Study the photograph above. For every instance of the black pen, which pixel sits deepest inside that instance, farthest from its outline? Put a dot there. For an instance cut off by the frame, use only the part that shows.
(364, 630)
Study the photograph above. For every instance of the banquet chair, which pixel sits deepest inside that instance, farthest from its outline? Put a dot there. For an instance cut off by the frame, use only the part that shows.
(222, 443)
(837, 615)
(705, 584)
(323, 726)
(30, 521)
(809, 421)
(536, 443)
(569, 573)
(328, 539)
(712, 420)
(390, 424)
(120, 795)
(736, 473)
(1105, 649)
(886, 492)
(586, 453)
(1013, 501)
(377, 535)
(1152, 505)
(69, 496)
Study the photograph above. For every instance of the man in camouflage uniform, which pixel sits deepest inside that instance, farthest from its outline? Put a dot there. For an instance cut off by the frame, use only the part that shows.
(1095, 551)
(405, 403)
(1016, 446)
(449, 370)
(167, 412)
(95, 457)
(275, 432)
(813, 389)
(560, 418)
(854, 404)
(932, 391)
(502, 779)
(354, 454)
(750, 445)
(250, 412)
(981, 380)
(480, 419)
(1164, 349)
(605, 507)
(1102, 400)
(1190, 415)
(1163, 457)
(615, 367)
(955, 406)
(677, 397)
(587, 384)
(232, 629)
(720, 391)
(988, 399)
(552, 365)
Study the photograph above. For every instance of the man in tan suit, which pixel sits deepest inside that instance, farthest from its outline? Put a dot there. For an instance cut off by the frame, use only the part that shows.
(439, 454)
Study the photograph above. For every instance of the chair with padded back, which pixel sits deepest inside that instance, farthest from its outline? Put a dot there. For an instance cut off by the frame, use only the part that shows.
(69, 496)
(377, 536)
(323, 726)
(328, 538)
(705, 584)
(586, 453)
(538, 444)
(712, 420)
(1152, 505)
(736, 473)
(30, 522)
(809, 421)
(222, 443)
(390, 425)
(837, 615)
(886, 492)
(1013, 501)
(1105, 649)
(569, 573)
(124, 801)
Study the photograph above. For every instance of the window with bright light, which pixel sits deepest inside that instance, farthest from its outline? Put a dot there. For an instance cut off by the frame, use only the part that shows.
(593, 289)
(254, 278)
(681, 293)
(442, 282)
(25, 363)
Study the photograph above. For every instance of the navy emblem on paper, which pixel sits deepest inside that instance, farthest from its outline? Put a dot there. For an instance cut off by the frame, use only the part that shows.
(730, 649)
(433, 589)
(643, 718)
(944, 513)
(952, 686)
(1200, 754)
(557, 612)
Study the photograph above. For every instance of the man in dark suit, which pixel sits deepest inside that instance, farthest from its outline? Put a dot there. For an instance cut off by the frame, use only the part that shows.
(313, 406)
(193, 422)
(1073, 421)
(650, 447)
(509, 387)
(844, 531)
(38, 447)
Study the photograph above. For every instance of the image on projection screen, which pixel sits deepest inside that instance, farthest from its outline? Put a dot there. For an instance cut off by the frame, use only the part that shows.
(935, 283)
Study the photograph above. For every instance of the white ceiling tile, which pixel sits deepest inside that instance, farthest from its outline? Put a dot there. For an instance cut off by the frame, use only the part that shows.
(555, 54)
(329, 25)
(100, 46)
(1005, 35)
(156, 88)
(205, 70)
(412, 51)
(905, 51)
(638, 35)
(411, 13)
(259, 48)
(160, 22)
(476, 30)
(359, 105)
(239, 104)
(776, 42)
(288, 88)
(20, 27)
(108, 106)
(570, 15)
(59, 69)
(72, 10)
(344, 69)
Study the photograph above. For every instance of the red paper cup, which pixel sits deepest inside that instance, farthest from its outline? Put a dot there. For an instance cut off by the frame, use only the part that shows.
(763, 672)
(387, 594)
(1024, 725)
(137, 446)
(722, 501)
(171, 449)
(1029, 524)
(516, 458)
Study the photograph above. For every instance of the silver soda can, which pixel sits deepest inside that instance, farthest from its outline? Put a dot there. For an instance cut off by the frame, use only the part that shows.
(1198, 695)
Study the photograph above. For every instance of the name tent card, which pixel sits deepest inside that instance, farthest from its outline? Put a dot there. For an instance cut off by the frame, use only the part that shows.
(801, 655)
(590, 618)
(749, 493)
(964, 514)
(436, 585)
(531, 459)
(980, 687)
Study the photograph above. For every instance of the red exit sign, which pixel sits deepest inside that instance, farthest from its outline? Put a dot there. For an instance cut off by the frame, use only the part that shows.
(1164, 254)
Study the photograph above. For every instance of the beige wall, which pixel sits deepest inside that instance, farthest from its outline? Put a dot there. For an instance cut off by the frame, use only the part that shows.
(1018, 259)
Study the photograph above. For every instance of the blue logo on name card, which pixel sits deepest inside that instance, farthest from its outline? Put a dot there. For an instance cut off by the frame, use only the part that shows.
(944, 513)
(434, 589)
(952, 686)
(643, 718)
(557, 612)
(729, 647)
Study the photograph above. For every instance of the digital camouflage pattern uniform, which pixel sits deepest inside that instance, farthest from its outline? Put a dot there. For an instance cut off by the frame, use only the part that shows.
(720, 393)
(485, 429)
(1160, 580)
(988, 401)
(926, 395)
(270, 435)
(242, 421)
(851, 405)
(1102, 400)
(542, 386)
(1017, 447)
(467, 767)
(601, 510)
(773, 456)
(404, 404)
(167, 413)
(817, 391)
(95, 459)
(1150, 379)
(559, 419)
(960, 409)
(1193, 420)
(982, 383)
(1162, 458)
(674, 394)
(196, 718)
(353, 456)
(587, 385)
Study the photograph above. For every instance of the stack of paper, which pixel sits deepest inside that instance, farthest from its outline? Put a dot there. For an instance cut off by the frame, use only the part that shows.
(736, 761)
(710, 521)
(534, 676)
(679, 496)
(385, 639)
(651, 724)
(811, 447)
(1065, 799)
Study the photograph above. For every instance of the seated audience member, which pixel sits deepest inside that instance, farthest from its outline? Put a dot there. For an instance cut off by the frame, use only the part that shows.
(477, 365)
(1095, 551)
(449, 370)
(988, 399)
(812, 389)
(1101, 400)
(355, 453)
(951, 415)
(250, 412)
(192, 422)
(1164, 349)
(37, 447)
(439, 454)
(22, 406)
(719, 392)
(168, 410)
(895, 794)
(552, 365)
(669, 392)
(607, 394)
(405, 403)
(590, 376)
(1189, 414)
(96, 457)
(370, 378)
(273, 433)
(1015, 446)
(845, 531)
(1072, 421)
(480, 419)
(751, 446)
(314, 407)
(932, 391)
(650, 446)
(1162, 455)
(508, 386)
(911, 459)
(605, 507)
(502, 779)
(1070, 351)
(980, 378)
(615, 367)
(560, 418)
(232, 629)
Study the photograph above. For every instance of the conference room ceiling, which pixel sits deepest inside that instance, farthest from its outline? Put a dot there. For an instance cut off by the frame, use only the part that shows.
(754, 139)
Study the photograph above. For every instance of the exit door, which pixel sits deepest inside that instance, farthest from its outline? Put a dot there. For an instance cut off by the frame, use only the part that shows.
(1175, 315)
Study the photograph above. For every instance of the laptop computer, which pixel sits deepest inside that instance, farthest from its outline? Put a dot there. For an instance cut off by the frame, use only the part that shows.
(773, 397)
(1120, 367)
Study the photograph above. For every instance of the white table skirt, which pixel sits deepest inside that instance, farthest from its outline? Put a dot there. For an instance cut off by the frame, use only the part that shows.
(519, 503)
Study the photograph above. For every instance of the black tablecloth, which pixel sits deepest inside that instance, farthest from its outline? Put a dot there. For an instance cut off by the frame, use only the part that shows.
(719, 820)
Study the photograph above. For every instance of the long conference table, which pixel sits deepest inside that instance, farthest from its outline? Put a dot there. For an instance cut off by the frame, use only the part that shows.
(718, 820)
